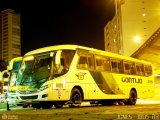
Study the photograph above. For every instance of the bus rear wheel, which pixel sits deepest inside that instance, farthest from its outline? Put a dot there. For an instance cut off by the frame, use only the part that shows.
(132, 98)
(76, 97)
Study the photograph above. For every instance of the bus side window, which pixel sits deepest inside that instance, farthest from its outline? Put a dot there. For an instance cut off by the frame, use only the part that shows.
(102, 63)
(147, 70)
(116, 66)
(129, 68)
(66, 59)
(133, 71)
(91, 62)
(107, 64)
(120, 66)
(142, 70)
(126, 68)
(82, 64)
(139, 69)
(99, 63)
(86, 62)
(138, 72)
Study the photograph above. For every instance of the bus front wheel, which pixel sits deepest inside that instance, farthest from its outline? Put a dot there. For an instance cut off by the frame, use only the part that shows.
(58, 104)
(47, 105)
(76, 97)
(132, 98)
(36, 105)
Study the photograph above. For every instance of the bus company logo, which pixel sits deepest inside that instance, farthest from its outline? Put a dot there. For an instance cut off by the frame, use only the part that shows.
(80, 75)
(4, 117)
(9, 117)
(131, 80)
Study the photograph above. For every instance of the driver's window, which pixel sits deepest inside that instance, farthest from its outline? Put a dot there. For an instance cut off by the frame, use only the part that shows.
(43, 68)
(66, 59)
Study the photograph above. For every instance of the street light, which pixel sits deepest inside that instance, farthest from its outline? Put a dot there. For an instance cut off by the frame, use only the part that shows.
(137, 39)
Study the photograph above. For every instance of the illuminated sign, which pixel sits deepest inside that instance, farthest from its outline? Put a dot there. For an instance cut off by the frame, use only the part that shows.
(131, 80)
(22, 88)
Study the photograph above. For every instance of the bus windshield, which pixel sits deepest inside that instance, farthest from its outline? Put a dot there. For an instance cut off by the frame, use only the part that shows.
(34, 69)
(13, 73)
(37, 69)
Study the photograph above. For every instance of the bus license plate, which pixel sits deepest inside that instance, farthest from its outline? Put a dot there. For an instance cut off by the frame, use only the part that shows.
(29, 100)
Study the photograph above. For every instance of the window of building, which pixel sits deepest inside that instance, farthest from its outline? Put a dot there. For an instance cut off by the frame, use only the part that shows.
(15, 31)
(16, 46)
(15, 20)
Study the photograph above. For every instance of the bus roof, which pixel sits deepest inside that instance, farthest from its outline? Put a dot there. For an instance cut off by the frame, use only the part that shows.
(56, 47)
(92, 50)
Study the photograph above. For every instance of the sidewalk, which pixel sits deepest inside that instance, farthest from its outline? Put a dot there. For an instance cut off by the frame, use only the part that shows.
(3, 105)
(154, 100)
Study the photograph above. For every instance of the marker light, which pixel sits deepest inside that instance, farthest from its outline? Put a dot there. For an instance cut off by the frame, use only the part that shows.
(28, 58)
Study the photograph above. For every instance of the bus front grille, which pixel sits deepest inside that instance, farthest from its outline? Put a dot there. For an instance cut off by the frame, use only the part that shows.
(29, 97)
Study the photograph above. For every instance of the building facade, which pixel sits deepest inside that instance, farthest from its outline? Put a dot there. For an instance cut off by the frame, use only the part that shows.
(133, 24)
(113, 31)
(10, 36)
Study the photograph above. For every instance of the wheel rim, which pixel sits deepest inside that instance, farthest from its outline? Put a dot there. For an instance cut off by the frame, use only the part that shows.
(133, 97)
(58, 105)
(76, 99)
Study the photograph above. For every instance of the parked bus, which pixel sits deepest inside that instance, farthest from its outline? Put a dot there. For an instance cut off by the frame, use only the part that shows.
(3, 85)
(71, 74)
(13, 67)
(4, 82)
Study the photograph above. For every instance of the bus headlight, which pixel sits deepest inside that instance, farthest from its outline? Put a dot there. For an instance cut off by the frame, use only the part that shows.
(43, 87)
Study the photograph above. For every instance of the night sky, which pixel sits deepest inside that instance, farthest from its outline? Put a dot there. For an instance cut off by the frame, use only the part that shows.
(52, 22)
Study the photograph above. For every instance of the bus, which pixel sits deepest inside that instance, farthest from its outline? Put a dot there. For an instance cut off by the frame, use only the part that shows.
(4, 81)
(13, 68)
(71, 74)
(3, 85)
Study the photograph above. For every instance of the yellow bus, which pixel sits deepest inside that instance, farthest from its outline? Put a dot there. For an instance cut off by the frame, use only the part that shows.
(3, 82)
(13, 67)
(3, 85)
(71, 74)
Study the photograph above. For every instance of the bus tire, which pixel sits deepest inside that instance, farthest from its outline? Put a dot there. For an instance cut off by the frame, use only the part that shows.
(132, 98)
(47, 105)
(36, 105)
(107, 102)
(58, 104)
(76, 97)
(25, 105)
